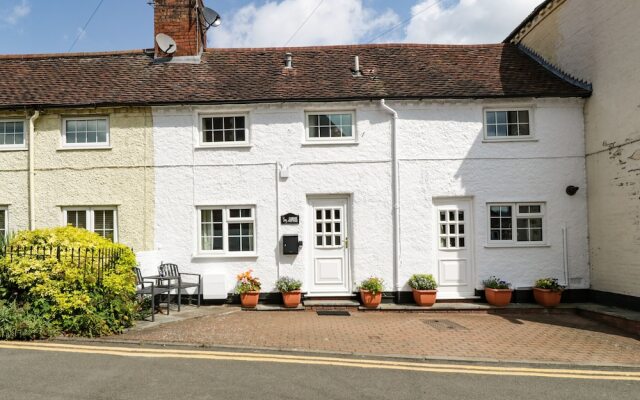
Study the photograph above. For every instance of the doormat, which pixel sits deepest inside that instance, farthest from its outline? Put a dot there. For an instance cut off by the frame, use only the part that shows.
(444, 325)
(340, 313)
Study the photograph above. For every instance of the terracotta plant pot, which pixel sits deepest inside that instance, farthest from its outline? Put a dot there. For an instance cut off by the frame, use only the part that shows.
(547, 297)
(249, 299)
(291, 299)
(498, 297)
(369, 299)
(424, 297)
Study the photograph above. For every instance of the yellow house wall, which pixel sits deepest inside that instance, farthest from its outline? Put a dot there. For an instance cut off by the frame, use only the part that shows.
(599, 41)
(119, 176)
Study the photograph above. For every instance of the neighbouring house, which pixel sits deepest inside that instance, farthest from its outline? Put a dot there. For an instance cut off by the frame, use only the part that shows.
(597, 41)
(361, 160)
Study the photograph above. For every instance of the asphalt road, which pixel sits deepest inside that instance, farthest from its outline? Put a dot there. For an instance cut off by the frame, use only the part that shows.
(67, 373)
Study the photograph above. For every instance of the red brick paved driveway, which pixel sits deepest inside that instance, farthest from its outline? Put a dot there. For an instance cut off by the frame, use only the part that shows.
(566, 338)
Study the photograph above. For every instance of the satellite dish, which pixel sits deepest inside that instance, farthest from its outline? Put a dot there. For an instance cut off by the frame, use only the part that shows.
(211, 17)
(166, 44)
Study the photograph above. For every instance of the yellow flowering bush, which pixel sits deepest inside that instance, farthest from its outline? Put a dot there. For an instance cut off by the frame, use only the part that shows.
(65, 281)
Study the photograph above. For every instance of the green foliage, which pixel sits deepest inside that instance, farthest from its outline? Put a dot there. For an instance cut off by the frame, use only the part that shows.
(66, 290)
(549, 283)
(287, 284)
(423, 282)
(373, 285)
(247, 282)
(495, 283)
(18, 323)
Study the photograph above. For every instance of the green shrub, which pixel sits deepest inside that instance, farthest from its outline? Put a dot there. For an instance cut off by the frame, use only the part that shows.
(17, 323)
(287, 284)
(373, 285)
(549, 283)
(423, 282)
(495, 283)
(66, 290)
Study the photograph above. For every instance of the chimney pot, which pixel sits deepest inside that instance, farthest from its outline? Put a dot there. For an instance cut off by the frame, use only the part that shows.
(356, 66)
(288, 60)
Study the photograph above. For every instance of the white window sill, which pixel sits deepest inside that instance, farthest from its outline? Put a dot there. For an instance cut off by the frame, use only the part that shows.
(509, 140)
(225, 255)
(7, 148)
(330, 143)
(224, 146)
(84, 148)
(515, 245)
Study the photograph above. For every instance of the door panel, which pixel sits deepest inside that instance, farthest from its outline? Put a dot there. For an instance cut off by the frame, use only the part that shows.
(454, 244)
(329, 253)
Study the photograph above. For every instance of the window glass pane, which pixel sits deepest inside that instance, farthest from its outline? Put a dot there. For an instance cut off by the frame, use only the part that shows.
(234, 243)
(217, 123)
(507, 235)
(319, 241)
(314, 131)
(240, 135)
(327, 214)
(325, 131)
(229, 136)
(452, 242)
(536, 235)
(318, 214)
(523, 116)
(505, 211)
(245, 213)
(501, 130)
(338, 240)
(452, 229)
(218, 136)
(491, 117)
(491, 130)
(323, 120)
(328, 240)
(234, 229)
(494, 211)
(247, 244)
(234, 213)
(313, 120)
(327, 227)
(229, 122)
(460, 215)
(443, 242)
(523, 235)
(461, 242)
(512, 117)
(535, 222)
(207, 124)
(239, 122)
(512, 129)
(501, 117)
(461, 228)
(534, 209)
(523, 129)
(337, 227)
(319, 228)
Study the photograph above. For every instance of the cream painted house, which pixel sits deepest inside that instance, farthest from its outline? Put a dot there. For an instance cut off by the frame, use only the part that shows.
(91, 168)
(598, 42)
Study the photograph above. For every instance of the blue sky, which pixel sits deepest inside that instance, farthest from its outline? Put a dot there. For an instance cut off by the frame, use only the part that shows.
(46, 26)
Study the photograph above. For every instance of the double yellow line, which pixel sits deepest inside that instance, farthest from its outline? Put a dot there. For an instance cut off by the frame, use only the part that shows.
(327, 361)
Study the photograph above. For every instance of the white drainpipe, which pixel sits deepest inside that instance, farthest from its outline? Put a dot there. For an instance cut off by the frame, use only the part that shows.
(32, 173)
(395, 198)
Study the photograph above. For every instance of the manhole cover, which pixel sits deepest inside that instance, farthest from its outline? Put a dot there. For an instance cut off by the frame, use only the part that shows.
(444, 325)
(339, 313)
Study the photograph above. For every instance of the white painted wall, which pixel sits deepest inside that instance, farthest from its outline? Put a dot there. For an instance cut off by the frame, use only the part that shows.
(441, 154)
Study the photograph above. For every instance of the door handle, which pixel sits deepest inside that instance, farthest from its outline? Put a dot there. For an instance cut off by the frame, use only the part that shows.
(346, 243)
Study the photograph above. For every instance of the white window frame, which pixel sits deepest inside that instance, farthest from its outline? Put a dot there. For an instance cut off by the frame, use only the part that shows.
(226, 219)
(91, 217)
(525, 138)
(515, 214)
(330, 140)
(25, 133)
(247, 129)
(5, 228)
(100, 145)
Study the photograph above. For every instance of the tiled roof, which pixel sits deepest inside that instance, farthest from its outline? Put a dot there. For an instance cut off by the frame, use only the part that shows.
(391, 71)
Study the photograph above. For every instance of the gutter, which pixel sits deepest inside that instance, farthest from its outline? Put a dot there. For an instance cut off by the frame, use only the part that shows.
(32, 174)
(396, 193)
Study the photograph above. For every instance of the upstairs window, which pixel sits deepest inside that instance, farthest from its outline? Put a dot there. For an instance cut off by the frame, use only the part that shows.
(85, 132)
(12, 134)
(327, 127)
(516, 223)
(505, 124)
(224, 130)
(102, 221)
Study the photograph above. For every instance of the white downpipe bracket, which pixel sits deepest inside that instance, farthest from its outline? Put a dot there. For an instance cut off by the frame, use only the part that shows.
(395, 197)
(32, 173)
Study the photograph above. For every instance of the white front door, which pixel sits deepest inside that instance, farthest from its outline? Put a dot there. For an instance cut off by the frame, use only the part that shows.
(329, 272)
(454, 248)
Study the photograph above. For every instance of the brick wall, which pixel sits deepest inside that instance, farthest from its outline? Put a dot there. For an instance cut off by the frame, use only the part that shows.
(179, 19)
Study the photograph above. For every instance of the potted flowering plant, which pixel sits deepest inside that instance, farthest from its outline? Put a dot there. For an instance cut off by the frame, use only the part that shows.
(424, 288)
(497, 291)
(248, 287)
(548, 292)
(371, 291)
(290, 289)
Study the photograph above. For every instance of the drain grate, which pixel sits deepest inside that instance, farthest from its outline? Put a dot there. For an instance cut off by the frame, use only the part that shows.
(444, 325)
(340, 313)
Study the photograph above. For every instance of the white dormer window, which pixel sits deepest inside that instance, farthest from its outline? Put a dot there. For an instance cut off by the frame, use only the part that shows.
(85, 132)
(507, 124)
(330, 127)
(224, 130)
(12, 134)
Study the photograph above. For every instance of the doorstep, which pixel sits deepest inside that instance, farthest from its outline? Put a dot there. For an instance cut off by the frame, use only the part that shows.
(274, 307)
(330, 303)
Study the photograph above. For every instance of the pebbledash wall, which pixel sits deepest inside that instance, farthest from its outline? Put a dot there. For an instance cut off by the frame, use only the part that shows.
(598, 41)
(118, 176)
(442, 153)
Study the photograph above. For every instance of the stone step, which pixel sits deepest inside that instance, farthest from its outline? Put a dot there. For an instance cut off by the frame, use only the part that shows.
(330, 303)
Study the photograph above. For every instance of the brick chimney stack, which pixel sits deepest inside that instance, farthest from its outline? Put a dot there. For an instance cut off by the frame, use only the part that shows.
(180, 19)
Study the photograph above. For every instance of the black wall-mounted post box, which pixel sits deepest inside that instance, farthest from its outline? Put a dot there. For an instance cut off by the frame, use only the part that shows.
(290, 244)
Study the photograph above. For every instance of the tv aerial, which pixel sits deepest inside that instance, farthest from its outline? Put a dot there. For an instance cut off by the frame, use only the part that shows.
(166, 44)
(211, 17)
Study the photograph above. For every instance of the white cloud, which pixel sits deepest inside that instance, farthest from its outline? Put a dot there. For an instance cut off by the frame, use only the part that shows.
(467, 21)
(17, 12)
(273, 23)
